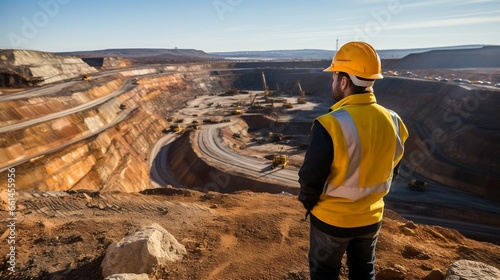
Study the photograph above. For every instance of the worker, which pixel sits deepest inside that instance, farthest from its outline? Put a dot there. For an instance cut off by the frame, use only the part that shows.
(352, 158)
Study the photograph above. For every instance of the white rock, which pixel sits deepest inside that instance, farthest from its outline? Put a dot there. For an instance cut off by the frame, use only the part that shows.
(128, 276)
(142, 251)
(465, 269)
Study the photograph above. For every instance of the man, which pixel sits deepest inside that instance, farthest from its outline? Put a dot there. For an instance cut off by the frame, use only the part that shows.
(352, 158)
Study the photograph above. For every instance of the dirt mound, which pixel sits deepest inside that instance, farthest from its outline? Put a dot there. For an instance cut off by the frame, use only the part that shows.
(228, 236)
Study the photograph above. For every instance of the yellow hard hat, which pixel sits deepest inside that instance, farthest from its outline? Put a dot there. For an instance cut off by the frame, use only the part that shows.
(359, 59)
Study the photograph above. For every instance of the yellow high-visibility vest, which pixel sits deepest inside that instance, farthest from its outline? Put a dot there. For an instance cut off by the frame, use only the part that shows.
(368, 143)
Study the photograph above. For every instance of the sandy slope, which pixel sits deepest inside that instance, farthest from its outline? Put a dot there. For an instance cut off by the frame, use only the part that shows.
(228, 236)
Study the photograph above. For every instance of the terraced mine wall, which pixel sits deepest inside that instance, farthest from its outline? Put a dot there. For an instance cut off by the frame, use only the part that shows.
(264, 125)
(453, 132)
(192, 170)
(312, 79)
(21, 68)
(107, 62)
(17, 110)
(105, 147)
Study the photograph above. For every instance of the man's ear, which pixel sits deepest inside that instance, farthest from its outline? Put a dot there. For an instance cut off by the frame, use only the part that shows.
(344, 83)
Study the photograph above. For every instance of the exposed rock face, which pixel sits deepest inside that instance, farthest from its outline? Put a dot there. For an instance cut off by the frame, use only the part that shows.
(128, 276)
(115, 62)
(27, 68)
(107, 62)
(142, 251)
(116, 158)
(192, 170)
(459, 58)
(453, 132)
(434, 275)
(465, 269)
(395, 272)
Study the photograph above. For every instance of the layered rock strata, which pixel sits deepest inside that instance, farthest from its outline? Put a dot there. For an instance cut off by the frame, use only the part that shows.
(20, 68)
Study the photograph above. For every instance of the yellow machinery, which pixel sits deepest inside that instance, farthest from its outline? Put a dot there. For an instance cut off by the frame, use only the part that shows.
(302, 94)
(123, 106)
(280, 159)
(236, 112)
(176, 128)
(287, 105)
(86, 78)
(267, 92)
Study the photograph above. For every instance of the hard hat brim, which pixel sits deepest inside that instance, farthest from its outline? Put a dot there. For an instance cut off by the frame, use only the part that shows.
(332, 68)
(329, 69)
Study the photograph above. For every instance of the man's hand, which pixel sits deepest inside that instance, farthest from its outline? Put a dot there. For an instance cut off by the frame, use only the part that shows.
(309, 201)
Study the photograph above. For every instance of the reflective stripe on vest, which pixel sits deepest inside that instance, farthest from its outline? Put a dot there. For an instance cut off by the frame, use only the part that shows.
(351, 189)
(399, 143)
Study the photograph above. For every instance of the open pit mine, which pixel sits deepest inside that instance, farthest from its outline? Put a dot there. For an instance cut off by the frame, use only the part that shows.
(109, 132)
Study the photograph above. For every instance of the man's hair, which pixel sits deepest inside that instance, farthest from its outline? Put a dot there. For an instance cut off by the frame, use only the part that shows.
(355, 89)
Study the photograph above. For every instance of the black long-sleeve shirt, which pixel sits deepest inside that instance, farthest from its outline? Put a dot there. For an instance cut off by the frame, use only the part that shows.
(316, 167)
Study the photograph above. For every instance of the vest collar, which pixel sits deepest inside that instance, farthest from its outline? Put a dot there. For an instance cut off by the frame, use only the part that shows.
(355, 99)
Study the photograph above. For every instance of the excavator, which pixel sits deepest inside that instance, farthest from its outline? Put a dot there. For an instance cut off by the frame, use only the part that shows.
(417, 185)
(302, 94)
(86, 78)
(267, 92)
(280, 159)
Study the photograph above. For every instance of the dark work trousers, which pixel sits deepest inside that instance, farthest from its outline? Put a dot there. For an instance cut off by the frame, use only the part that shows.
(326, 251)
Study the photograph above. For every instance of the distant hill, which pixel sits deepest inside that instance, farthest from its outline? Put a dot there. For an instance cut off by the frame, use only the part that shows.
(276, 54)
(483, 57)
(143, 56)
(319, 54)
(442, 57)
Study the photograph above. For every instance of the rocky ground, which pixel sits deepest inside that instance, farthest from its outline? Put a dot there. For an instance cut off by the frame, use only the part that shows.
(62, 235)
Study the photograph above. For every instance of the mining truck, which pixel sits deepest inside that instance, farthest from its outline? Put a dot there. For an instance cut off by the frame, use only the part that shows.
(236, 112)
(418, 185)
(275, 137)
(287, 105)
(86, 78)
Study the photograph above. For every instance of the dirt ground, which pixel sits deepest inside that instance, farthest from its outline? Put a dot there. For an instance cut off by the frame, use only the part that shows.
(247, 235)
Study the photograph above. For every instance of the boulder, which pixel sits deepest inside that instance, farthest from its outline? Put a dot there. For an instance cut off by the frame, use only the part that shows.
(142, 251)
(396, 272)
(465, 269)
(128, 276)
(434, 275)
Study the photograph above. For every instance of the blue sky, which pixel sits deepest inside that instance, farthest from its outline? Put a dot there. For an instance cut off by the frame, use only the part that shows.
(245, 25)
